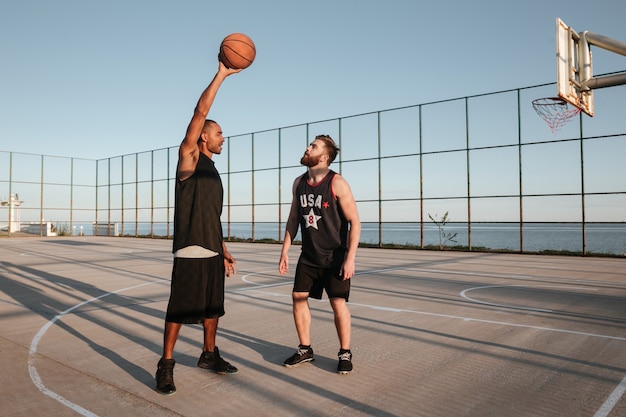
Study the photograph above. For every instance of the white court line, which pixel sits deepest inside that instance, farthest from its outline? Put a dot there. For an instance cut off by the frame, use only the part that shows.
(606, 408)
(464, 295)
(259, 288)
(612, 401)
(501, 323)
(32, 370)
(255, 286)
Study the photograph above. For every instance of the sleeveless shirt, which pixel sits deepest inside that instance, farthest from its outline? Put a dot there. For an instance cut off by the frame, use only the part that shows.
(198, 208)
(323, 225)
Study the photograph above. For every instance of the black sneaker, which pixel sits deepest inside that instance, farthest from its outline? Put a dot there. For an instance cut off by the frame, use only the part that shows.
(213, 361)
(165, 377)
(302, 355)
(345, 362)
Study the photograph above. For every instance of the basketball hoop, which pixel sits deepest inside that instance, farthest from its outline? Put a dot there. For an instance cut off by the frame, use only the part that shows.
(555, 111)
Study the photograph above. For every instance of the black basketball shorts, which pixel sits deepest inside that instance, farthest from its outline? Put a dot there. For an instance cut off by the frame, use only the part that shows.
(314, 280)
(197, 290)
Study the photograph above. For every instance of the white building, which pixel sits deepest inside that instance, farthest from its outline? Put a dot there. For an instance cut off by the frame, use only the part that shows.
(14, 204)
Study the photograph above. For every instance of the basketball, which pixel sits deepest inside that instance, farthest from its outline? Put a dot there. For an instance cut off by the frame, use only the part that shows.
(237, 51)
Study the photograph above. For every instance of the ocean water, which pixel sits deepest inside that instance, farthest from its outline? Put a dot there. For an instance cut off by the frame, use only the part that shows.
(608, 238)
(599, 238)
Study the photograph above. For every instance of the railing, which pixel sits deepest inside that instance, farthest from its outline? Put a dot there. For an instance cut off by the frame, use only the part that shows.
(487, 160)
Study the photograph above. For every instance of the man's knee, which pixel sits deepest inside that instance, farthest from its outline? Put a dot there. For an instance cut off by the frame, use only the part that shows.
(300, 297)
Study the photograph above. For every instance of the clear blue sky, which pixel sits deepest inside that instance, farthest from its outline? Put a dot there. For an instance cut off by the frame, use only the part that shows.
(94, 79)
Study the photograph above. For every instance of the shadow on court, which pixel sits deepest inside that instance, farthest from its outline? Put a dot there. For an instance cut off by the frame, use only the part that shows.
(433, 334)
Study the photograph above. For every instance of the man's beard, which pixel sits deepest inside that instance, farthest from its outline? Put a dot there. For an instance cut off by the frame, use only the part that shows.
(310, 161)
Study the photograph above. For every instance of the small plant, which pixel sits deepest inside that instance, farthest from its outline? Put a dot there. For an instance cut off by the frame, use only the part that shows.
(443, 236)
(61, 230)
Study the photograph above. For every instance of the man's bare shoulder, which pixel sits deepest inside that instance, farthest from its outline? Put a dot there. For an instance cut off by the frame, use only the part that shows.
(339, 179)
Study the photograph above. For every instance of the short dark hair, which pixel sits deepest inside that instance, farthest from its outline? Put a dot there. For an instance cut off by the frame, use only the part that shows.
(207, 122)
(331, 147)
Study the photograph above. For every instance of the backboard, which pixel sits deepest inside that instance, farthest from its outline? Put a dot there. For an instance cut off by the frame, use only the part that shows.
(574, 67)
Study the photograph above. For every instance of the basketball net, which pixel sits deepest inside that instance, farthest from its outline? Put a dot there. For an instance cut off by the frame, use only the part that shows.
(555, 111)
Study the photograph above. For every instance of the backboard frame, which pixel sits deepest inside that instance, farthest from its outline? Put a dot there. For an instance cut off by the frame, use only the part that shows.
(574, 67)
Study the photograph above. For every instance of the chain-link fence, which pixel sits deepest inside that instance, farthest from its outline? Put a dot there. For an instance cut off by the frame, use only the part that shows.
(481, 172)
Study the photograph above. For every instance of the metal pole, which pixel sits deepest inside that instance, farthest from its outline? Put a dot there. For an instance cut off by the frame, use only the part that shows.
(136, 194)
(10, 192)
(582, 186)
(123, 217)
(607, 81)
(339, 126)
(252, 184)
(169, 203)
(152, 194)
(228, 190)
(467, 165)
(612, 45)
(519, 175)
(308, 135)
(280, 184)
(41, 199)
(96, 209)
(605, 43)
(109, 200)
(421, 179)
(71, 194)
(380, 190)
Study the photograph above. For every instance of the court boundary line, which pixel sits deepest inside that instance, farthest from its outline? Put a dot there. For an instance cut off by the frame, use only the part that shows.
(541, 310)
(612, 401)
(32, 369)
(603, 411)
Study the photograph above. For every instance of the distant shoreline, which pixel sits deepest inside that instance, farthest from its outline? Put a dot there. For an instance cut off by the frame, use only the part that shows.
(538, 237)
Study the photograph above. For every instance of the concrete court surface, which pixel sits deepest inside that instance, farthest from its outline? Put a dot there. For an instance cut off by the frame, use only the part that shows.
(433, 334)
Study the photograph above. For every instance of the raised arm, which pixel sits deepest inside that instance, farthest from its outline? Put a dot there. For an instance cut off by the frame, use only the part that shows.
(189, 150)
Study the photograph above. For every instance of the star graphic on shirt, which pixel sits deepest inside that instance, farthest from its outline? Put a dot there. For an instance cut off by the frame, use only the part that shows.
(325, 204)
(311, 219)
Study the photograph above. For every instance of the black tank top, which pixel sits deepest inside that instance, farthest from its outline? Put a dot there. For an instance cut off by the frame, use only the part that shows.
(323, 226)
(198, 207)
